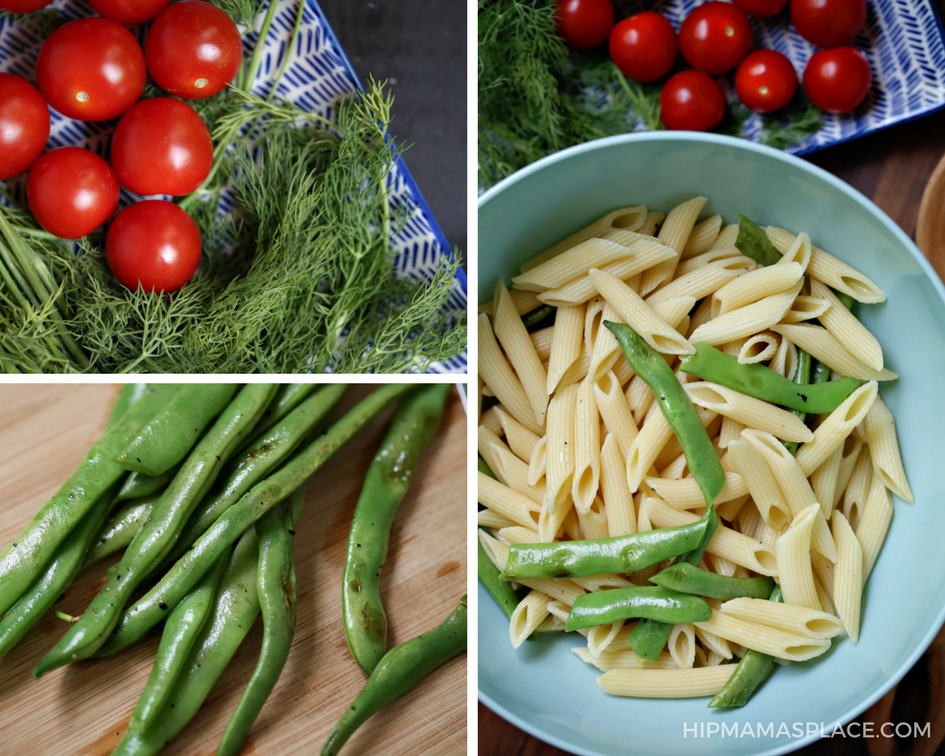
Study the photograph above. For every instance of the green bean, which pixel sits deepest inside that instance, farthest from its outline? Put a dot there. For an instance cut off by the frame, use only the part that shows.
(276, 585)
(59, 574)
(158, 535)
(644, 602)
(845, 299)
(128, 394)
(139, 486)
(801, 378)
(687, 578)
(537, 316)
(753, 242)
(385, 486)
(185, 573)
(22, 561)
(181, 631)
(119, 530)
(674, 403)
(764, 383)
(167, 438)
(500, 590)
(287, 398)
(750, 672)
(232, 615)
(267, 451)
(402, 669)
(626, 553)
(484, 468)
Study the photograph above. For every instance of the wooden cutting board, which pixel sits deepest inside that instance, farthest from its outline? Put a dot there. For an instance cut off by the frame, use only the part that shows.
(83, 709)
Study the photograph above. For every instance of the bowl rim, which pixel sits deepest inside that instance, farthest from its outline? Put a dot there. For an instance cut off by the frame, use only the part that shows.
(868, 205)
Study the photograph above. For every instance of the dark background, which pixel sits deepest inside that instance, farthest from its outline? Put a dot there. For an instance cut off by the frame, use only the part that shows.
(419, 46)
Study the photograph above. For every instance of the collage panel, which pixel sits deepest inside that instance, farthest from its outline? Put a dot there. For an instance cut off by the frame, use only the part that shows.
(710, 250)
(196, 187)
(253, 521)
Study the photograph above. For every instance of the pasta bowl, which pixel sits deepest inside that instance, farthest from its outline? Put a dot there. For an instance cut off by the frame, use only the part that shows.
(546, 690)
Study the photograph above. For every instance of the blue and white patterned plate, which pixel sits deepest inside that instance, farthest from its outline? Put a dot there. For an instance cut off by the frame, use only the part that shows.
(904, 42)
(318, 75)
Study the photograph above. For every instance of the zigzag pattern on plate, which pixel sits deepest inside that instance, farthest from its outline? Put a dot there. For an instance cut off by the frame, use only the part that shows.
(317, 76)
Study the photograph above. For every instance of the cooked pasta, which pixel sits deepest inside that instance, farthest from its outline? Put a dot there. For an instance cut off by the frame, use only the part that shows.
(582, 449)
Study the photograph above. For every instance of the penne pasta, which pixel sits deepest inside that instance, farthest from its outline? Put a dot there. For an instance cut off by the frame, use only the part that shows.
(761, 347)
(884, 450)
(797, 620)
(674, 233)
(834, 429)
(498, 376)
(748, 320)
(665, 683)
(754, 413)
(796, 574)
(874, 524)
(527, 616)
(754, 286)
(586, 479)
(565, 343)
(626, 218)
(513, 336)
(846, 328)
(621, 518)
(520, 440)
(760, 482)
(615, 412)
(571, 264)
(763, 638)
(559, 448)
(848, 576)
(702, 237)
(823, 346)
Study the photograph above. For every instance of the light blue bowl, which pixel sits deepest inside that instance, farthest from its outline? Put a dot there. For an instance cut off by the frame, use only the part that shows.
(542, 687)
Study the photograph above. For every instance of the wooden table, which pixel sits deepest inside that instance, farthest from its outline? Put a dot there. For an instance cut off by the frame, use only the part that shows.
(83, 709)
(892, 168)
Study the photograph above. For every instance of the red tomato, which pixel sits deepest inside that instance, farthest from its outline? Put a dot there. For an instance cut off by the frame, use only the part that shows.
(129, 11)
(761, 8)
(71, 192)
(828, 23)
(715, 37)
(691, 101)
(91, 69)
(161, 146)
(584, 23)
(155, 244)
(193, 50)
(837, 80)
(24, 125)
(23, 6)
(644, 46)
(765, 81)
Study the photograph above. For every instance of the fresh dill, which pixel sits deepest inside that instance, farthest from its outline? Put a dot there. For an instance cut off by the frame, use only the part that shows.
(792, 126)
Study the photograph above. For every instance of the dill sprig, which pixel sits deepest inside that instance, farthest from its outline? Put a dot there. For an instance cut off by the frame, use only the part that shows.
(42, 22)
(792, 126)
(241, 11)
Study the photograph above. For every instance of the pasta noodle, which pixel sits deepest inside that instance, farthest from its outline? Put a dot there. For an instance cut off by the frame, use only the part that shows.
(795, 571)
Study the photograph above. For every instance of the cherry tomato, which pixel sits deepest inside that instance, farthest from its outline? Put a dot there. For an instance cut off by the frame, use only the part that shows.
(765, 81)
(24, 125)
(129, 12)
(153, 243)
(828, 23)
(715, 37)
(91, 69)
(644, 46)
(584, 23)
(691, 101)
(761, 8)
(71, 192)
(161, 146)
(23, 6)
(193, 50)
(837, 80)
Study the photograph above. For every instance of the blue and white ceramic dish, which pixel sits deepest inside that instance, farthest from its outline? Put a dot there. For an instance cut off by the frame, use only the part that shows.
(542, 687)
(903, 40)
(318, 74)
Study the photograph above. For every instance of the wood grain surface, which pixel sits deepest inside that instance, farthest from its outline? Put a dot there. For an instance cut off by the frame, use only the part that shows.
(892, 168)
(83, 709)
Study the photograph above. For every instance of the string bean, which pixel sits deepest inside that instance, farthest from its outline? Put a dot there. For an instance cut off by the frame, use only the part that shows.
(647, 602)
(119, 529)
(264, 455)
(501, 590)
(626, 553)
(32, 549)
(160, 531)
(138, 485)
(801, 378)
(187, 571)
(753, 242)
(674, 403)
(402, 669)
(764, 383)
(385, 486)
(170, 434)
(687, 578)
(537, 316)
